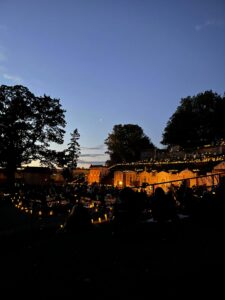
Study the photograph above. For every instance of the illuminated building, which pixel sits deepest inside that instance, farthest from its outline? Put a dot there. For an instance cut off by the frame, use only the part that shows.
(97, 173)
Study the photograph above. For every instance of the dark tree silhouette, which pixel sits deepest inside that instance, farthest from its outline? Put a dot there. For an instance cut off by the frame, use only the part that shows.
(197, 121)
(73, 150)
(67, 159)
(126, 143)
(28, 124)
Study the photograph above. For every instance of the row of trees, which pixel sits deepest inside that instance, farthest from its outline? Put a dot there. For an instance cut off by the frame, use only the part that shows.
(29, 124)
(197, 121)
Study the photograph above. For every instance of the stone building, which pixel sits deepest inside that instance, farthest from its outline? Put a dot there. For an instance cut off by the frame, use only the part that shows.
(97, 173)
(164, 179)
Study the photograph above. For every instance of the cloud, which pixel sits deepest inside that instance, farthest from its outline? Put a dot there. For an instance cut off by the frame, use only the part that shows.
(13, 78)
(99, 147)
(92, 155)
(209, 23)
(94, 162)
(92, 159)
(4, 72)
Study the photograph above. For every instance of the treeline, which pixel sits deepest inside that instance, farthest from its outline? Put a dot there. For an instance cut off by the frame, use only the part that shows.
(29, 124)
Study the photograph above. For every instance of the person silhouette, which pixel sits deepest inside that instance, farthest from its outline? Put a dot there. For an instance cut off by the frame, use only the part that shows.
(79, 219)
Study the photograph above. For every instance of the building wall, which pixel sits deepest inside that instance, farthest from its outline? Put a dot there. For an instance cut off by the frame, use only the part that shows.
(118, 179)
(128, 178)
(144, 177)
(36, 178)
(96, 174)
(219, 168)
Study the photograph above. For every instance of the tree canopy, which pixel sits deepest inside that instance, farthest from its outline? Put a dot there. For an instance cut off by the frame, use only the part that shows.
(28, 124)
(73, 150)
(197, 121)
(67, 159)
(126, 142)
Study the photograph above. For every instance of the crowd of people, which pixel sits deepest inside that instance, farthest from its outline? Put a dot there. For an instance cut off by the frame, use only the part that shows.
(125, 207)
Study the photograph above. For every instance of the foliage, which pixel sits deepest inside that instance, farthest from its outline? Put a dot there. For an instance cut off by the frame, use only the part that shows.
(28, 124)
(73, 150)
(197, 121)
(126, 143)
(67, 159)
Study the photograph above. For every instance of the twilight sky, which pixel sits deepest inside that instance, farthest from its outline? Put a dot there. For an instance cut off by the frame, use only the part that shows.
(113, 61)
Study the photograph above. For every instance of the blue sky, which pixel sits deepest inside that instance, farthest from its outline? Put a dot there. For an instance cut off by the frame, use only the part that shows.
(113, 62)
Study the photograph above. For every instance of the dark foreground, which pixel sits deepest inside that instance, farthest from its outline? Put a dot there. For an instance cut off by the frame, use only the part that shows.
(186, 259)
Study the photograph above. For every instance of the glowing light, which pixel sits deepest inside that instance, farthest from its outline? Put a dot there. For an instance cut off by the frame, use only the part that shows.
(40, 213)
(100, 220)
